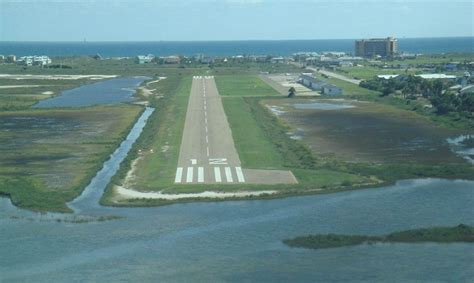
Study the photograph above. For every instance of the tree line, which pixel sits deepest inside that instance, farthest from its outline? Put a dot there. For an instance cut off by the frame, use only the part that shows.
(438, 92)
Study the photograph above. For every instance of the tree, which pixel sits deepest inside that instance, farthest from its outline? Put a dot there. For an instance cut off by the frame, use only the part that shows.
(291, 92)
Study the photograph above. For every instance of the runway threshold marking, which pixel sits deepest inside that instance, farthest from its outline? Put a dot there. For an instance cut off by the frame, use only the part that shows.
(200, 174)
(189, 175)
(179, 174)
(240, 174)
(217, 174)
(228, 174)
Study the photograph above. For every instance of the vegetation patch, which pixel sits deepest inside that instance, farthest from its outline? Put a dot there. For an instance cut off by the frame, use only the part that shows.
(460, 233)
(49, 156)
(374, 139)
(243, 85)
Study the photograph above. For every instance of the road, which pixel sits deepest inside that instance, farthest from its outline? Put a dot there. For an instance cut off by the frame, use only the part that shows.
(207, 153)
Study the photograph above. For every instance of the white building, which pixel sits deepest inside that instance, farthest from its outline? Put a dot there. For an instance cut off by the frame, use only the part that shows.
(436, 76)
(329, 89)
(144, 59)
(34, 60)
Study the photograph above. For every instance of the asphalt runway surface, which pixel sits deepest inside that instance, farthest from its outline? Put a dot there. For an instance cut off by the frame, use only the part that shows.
(207, 153)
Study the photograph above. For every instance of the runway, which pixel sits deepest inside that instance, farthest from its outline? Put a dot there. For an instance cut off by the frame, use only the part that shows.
(207, 153)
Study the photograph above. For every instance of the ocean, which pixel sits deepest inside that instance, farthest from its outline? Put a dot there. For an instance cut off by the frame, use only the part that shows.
(226, 48)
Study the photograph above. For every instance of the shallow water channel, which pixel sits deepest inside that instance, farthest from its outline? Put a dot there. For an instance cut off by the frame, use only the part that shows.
(240, 240)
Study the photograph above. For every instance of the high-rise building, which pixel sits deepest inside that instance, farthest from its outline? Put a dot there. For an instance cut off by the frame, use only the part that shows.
(384, 47)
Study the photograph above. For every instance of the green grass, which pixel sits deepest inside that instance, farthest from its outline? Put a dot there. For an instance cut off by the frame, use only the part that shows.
(460, 233)
(255, 150)
(435, 59)
(162, 134)
(367, 72)
(243, 85)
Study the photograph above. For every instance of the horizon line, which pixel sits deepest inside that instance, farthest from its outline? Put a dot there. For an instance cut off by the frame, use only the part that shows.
(220, 40)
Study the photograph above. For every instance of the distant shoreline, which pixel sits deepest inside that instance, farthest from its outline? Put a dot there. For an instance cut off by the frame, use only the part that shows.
(425, 45)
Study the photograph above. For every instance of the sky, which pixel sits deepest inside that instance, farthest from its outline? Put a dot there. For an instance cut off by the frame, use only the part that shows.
(189, 20)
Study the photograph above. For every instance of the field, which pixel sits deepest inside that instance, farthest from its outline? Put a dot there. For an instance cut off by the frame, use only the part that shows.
(57, 151)
(48, 156)
(261, 141)
(243, 85)
(376, 136)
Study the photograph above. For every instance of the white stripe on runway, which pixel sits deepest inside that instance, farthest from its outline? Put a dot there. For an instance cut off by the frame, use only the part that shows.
(228, 174)
(207, 151)
(217, 174)
(200, 174)
(189, 175)
(240, 174)
(179, 174)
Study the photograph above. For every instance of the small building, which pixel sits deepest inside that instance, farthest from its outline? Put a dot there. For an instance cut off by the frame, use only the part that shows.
(97, 57)
(387, 77)
(436, 76)
(345, 64)
(330, 90)
(171, 59)
(10, 59)
(451, 66)
(206, 60)
(144, 59)
(277, 60)
(41, 60)
(311, 82)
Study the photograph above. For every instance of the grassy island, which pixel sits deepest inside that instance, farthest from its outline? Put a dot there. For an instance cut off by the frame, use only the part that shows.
(460, 233)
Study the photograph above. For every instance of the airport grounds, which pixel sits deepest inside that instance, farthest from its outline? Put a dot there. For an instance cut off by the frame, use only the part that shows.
(43, 168)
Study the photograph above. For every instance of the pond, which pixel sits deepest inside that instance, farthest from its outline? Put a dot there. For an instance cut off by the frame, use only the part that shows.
(104, 92)
(322, 106)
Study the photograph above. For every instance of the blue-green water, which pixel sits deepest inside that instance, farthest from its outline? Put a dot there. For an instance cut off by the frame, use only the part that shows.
(239, 240)
(103, 92)
(235, 241)
(227, 48)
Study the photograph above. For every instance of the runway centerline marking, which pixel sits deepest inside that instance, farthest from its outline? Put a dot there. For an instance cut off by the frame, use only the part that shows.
(193, 161)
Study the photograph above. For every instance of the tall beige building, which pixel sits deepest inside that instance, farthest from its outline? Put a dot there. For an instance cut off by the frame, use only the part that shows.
(384, 47)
